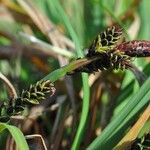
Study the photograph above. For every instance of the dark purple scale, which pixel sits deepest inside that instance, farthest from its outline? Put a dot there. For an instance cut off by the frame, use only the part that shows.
(135, 48)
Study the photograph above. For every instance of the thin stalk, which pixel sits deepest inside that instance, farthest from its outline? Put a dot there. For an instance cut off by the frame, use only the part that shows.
(61, 72)
(46, 47)
(10, 87)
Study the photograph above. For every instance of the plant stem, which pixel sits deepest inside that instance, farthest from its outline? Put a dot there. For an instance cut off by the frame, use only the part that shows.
(10, 87)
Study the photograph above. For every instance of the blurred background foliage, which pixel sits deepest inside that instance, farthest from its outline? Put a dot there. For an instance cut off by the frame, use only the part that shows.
(35, 40)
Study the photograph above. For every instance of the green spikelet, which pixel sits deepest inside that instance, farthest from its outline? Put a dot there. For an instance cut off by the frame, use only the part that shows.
(111, 36)
(33, 95)
(37, 92)
(105, 41)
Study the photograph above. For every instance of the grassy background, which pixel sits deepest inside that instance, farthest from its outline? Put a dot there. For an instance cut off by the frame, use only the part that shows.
(86, 104)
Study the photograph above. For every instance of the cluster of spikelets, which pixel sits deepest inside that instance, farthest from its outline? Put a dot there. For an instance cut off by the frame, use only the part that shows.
(34, 95)
(104, 52)
(104, 47)
(37, 92)
(105, 41)
(110, 51)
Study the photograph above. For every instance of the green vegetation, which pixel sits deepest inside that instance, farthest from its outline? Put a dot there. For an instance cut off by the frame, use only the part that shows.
(44, 43)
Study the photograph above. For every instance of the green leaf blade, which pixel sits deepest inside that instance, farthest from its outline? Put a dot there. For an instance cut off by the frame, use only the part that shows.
(16, 134)
(133, 107)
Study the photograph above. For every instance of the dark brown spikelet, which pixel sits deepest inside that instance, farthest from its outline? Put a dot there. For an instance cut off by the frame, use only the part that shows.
(110, 60)
(107, 39)
(135, 48)
(38, 92)
(111, 36)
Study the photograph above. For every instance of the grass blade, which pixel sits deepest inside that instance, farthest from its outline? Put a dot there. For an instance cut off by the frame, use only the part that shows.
(16, 134)
(134, 106)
